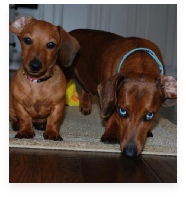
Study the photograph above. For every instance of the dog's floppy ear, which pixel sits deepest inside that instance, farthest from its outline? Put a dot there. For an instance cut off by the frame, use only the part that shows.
(107, 91)
(68, 49)
(169, 86)
(18, 25)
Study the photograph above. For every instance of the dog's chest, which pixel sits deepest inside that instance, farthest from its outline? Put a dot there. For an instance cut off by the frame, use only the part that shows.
(39, 107)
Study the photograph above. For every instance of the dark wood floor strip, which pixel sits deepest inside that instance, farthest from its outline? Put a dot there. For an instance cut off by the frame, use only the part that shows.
(49, 166)
(165, 167)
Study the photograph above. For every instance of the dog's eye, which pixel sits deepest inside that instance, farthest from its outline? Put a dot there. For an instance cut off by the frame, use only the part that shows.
(149, 116)
(27, 41)
(50, 45)
(123, 112)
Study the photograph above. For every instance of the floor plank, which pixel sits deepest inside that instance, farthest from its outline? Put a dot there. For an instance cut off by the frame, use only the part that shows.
(52, 166)
(165, 167)
(28, 167)
(115, 168)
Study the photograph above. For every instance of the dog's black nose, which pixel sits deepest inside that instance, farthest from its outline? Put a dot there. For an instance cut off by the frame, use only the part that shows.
(130, 150)
(35, 65)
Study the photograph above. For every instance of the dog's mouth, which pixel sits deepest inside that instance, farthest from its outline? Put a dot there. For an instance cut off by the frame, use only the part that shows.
(34, 74)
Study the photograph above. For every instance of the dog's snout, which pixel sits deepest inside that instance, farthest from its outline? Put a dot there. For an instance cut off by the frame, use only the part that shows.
(35, 65)
(130, 150)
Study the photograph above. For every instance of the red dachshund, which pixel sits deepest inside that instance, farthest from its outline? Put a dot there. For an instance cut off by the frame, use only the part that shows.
(128, 75)
(37, 90)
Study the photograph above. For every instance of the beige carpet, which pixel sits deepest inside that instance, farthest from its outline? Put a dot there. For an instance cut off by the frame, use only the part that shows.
(82, 133)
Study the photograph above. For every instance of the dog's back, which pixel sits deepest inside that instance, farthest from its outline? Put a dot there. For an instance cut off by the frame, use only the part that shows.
(101, 52)
(87, 61)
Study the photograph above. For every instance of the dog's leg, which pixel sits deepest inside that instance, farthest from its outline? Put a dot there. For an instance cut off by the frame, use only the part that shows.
(13, 118)
(54, 122)
(111, 134)
(85, 103)
(14, 122)
(25, 123)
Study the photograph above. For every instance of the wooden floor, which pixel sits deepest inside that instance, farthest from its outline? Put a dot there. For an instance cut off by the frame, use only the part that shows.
(44, 166)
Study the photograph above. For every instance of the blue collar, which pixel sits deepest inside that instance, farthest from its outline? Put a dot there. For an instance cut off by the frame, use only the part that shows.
(150, 52)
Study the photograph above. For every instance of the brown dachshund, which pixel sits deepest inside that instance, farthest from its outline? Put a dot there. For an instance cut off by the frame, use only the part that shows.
(37, 90)
(129, 77)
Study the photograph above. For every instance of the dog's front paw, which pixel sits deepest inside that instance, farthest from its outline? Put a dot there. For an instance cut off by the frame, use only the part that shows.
(109, 139)
(52, 136)
(85, 103)
(27, 135)
(85, 110)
